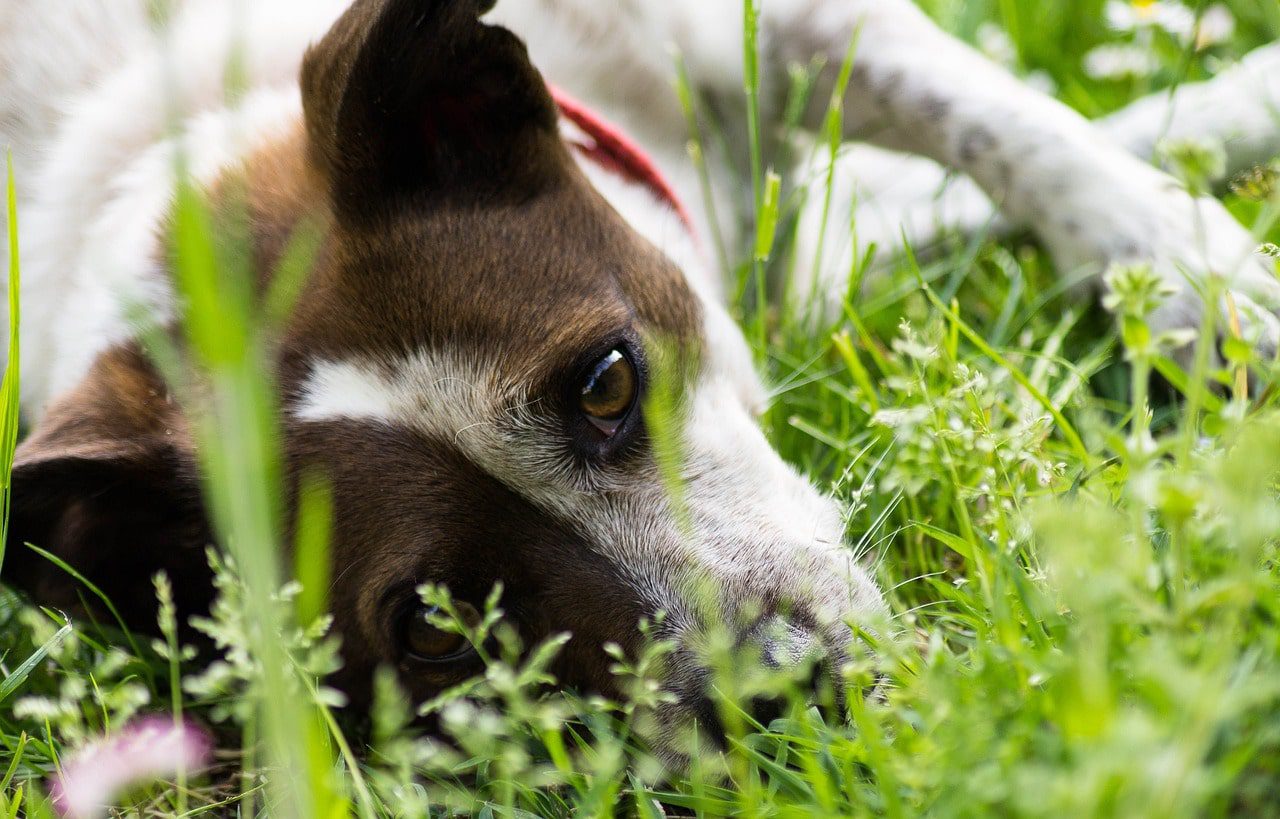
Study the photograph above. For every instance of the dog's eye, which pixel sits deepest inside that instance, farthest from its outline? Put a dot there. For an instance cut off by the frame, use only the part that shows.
(425, 642)
(609, 392)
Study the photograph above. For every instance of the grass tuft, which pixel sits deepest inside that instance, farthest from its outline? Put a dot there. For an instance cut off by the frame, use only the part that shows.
(10, 396)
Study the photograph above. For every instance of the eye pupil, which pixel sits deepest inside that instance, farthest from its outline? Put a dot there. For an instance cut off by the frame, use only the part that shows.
(609, 392)
(425, 641)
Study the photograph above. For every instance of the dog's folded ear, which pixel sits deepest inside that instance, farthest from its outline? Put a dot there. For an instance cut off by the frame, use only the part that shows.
(108, 483)
(418, 99)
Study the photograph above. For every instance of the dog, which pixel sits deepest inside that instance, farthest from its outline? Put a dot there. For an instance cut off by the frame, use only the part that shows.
(501, 273)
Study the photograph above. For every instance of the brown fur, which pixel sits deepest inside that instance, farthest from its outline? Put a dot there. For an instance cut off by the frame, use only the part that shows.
(109, 484)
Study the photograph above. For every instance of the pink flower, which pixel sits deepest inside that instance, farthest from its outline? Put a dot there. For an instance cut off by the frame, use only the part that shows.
(150, 748)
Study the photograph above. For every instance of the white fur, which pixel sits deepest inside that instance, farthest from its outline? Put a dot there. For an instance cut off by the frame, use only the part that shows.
(89, 223)
(89, 227)
(1239, 108)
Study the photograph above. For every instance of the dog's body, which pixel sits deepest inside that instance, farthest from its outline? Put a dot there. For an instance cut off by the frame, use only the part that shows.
(457, 281)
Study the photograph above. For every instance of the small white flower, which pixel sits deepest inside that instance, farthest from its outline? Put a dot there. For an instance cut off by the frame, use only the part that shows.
(1171, 16)
(1043, 82)
(1217, 25)
(1119, 61)
(996, 43)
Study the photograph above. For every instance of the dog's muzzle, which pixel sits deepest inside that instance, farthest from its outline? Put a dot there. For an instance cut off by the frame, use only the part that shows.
(776, 663)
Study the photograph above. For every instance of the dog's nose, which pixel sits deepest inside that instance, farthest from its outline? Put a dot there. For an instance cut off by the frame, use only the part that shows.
(782, 644)
(793, 653)
(776, 664)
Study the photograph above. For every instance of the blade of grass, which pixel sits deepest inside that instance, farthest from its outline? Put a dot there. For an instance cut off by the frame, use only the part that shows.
(15, 680)
(243, 472)
(698, 153)
(311, 548)
(16, 805)
(832, 139)
(98, 593)
(10, 389)
(13, 763)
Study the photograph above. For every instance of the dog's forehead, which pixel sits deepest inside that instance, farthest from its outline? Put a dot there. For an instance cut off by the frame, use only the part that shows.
(535, 284)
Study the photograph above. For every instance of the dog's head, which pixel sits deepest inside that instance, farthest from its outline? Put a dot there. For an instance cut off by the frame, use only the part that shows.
(469, 366)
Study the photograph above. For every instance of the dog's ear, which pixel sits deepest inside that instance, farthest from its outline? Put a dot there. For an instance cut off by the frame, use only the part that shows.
(108, 483)
(418, 98)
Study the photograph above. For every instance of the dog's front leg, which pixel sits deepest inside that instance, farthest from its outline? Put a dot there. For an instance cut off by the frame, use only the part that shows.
(914, 88)
(1239, 108)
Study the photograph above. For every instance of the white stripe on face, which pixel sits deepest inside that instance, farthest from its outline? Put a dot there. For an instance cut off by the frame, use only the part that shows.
(464, 401)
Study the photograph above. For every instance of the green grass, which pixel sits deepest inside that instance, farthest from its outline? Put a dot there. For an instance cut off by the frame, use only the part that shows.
(9, 419)
(1083, 574)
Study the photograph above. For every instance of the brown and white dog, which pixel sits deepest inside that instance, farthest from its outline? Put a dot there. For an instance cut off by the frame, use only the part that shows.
(468, 362)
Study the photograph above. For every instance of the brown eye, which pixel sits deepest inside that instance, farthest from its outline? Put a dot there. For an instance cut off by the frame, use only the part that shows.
(609, 392)
(428, 643)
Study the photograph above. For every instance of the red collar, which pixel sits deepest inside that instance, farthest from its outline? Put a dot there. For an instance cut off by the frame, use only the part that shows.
(613, 150)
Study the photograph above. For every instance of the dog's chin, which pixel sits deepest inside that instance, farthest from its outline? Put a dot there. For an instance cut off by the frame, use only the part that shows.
(677, 734)
(684, 736)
